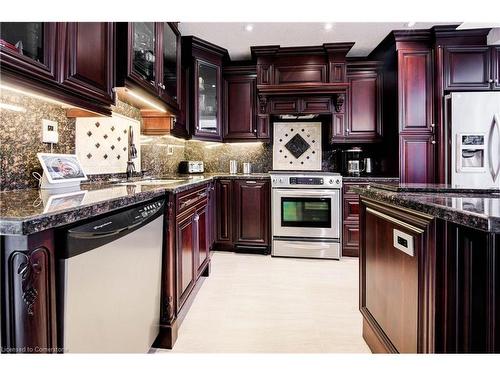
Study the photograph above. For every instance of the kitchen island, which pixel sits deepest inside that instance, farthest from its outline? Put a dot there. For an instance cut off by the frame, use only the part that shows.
(32, 223)
(429, 269)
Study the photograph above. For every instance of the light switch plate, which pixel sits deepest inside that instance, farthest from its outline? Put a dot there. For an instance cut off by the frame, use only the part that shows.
(50, 133)
(170, 149)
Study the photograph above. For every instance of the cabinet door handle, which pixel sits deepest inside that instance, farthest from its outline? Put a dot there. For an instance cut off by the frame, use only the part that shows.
(251, 182)
(196, 217)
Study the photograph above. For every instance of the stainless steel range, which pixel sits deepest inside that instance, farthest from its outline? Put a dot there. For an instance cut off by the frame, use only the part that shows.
(306, 214)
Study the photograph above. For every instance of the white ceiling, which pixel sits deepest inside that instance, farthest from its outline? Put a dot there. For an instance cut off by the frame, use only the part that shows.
(237, 40)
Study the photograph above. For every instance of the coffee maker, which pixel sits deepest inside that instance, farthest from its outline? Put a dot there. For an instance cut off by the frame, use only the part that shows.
(353, 163)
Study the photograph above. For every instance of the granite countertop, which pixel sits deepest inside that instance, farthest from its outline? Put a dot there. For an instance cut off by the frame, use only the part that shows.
(475, 209)
(29, 211)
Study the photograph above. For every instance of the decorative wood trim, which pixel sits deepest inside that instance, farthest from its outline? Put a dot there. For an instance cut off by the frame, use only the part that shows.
(338, 102)
(302, 88)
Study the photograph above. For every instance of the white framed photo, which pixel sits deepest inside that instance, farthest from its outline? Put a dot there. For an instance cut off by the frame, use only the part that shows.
(61, 168)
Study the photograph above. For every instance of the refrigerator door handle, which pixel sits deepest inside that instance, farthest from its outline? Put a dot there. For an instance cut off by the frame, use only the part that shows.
(492, 158)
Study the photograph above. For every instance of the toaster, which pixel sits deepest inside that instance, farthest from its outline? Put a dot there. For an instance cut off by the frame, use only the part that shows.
(189, 166)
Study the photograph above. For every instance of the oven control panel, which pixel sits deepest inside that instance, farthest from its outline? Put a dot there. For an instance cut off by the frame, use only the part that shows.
(295, 181)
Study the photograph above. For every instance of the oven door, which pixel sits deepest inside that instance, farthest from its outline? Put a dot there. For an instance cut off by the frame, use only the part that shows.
(312, 213)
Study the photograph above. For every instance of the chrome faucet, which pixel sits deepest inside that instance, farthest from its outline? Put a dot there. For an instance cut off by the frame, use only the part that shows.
(132, 153)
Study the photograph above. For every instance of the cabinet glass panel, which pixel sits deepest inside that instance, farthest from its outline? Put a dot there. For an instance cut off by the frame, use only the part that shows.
(143, 50)
(24, 37)
(207, 98)
(170, 61)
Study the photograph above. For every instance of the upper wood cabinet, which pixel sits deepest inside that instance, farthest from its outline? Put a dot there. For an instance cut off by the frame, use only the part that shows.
(468, 67)
(86, 53)
(416, 100)
(204, 63)
(148, 58)
(29, 49)
(240, 95)
(72, 62)
(364, 120)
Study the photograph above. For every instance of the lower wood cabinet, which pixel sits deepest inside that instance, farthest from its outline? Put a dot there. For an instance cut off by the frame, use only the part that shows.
(243, 215)
(350, 219)
(395, 293)
(192, 228)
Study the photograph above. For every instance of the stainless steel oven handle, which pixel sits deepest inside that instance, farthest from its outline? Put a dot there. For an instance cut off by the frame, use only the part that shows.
(312, 244)
(308, 192)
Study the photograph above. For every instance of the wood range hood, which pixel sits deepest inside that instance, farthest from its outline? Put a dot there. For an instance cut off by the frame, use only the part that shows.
(301, 79)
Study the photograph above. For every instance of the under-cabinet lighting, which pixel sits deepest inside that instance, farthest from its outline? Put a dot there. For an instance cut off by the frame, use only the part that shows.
(145, 101)
(213, 145)
(12, 107)
(249, 27)
(246, 144)
(411, 24)
(328, 26)
(33, 95)
(168, 136)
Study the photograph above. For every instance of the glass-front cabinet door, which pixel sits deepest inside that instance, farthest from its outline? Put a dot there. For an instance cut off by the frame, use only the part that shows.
(170, 62)
(143, 52)
(208, 88)
(29, 46)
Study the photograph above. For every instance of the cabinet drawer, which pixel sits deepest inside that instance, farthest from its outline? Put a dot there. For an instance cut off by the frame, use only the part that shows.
(190, 198)
(351, 208)
(285, 105)
(316, 105)
(350, 239)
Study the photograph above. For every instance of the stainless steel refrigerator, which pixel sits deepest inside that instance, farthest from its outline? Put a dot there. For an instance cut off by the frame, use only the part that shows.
(474, 137)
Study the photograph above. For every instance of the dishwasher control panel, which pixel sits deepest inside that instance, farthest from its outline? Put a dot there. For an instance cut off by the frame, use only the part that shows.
(148, 210)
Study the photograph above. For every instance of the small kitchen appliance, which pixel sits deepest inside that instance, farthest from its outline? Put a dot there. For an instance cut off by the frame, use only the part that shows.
(352, 162)
(306, 214)
(189, 166)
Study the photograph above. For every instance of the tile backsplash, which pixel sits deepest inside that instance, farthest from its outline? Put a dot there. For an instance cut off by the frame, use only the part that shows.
(102, 143)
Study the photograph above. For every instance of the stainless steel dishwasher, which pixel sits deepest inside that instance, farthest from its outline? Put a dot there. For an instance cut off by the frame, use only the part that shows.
(109, 282)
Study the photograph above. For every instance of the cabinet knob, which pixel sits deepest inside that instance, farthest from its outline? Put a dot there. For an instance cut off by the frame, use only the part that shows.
(433, 142)
(490, 81)
(496, 80)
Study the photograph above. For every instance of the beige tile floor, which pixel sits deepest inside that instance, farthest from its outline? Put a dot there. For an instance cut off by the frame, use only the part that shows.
(260, 304)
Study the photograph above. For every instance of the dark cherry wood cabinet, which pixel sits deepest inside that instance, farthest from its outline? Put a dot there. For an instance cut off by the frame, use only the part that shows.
(34, 57)
(416, 100)
(71, 62)
(240, 108)
(28, 298)
(243, 215)
(396, 292)
(364, 120)
(440, 296)
(252, 211)
(417, 152)
(224, 198)
(185, 256)
(468, 67)
(149, 55)
(350, 219)
(204, 61)
(87, 58)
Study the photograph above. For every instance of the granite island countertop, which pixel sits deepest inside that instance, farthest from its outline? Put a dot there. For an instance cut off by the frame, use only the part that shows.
(28, 211)
(478, 209)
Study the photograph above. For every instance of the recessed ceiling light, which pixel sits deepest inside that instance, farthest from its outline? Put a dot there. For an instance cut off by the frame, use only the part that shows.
(411, 24)
(249, 27)
(328, 26)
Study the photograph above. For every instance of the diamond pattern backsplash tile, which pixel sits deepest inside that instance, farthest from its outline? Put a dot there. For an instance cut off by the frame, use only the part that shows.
(297, 146)
(98, 151)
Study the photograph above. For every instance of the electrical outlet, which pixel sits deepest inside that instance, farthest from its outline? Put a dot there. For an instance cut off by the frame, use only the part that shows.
(49, 131)
(170, 149)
